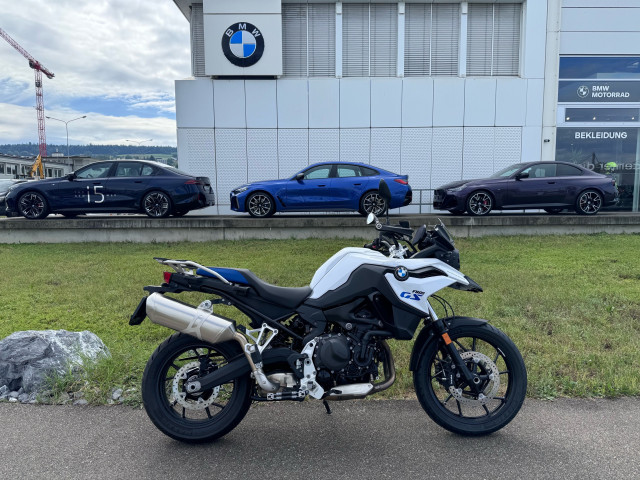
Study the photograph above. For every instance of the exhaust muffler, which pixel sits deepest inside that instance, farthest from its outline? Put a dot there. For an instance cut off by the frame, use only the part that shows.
(204, 325)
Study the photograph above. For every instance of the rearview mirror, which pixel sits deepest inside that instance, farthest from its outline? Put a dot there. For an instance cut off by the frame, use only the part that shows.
(300, 176)
(522, 175)
(71, 176)
(371, 218)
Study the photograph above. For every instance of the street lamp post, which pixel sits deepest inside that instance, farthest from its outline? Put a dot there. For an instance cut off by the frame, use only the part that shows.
(66, 126)
(139, 141)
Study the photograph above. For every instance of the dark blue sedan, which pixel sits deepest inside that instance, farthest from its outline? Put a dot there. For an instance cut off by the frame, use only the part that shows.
(551, 186)
(131, 186)
(323, 187)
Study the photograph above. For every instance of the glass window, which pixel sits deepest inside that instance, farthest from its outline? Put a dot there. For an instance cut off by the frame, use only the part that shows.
(1, 167)
(349, 171)
(601, 114)
(599, 67)
(97, 170)
(542, 170)
(319, 172)
(148, 170)
(128, 169)
(369, 172)
(567, 170)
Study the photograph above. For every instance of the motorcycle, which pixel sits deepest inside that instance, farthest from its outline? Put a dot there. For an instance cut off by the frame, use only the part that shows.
(328, 341)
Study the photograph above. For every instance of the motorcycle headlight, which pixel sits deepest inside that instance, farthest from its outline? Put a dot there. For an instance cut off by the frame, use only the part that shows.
(240, 190)
(456, 189)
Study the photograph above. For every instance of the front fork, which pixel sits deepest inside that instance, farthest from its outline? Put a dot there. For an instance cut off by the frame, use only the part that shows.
(441, 330)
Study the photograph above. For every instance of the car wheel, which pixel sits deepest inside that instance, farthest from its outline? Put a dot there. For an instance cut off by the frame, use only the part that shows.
(589, 202)
(479, 203)
(260, 205)
(553, 210)
(372, 202)
(33, 205)
(156, 204)
(455, 211)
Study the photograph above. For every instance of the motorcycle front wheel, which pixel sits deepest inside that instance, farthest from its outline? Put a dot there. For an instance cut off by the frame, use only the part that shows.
(499, 373)
(198, 417)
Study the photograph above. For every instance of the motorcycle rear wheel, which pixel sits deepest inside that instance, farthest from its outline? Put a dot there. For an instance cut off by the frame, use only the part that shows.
(485, 350)
(200, 417)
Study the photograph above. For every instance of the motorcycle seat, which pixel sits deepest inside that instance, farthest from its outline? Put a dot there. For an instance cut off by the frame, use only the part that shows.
(289, 297)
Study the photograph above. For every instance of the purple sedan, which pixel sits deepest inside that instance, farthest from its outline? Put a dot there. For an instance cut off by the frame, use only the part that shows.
(551, 186)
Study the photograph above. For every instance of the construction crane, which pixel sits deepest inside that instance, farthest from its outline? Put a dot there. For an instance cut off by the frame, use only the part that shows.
(38, 70)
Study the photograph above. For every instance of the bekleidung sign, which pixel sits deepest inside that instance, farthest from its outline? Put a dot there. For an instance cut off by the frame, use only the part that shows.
(590, 91)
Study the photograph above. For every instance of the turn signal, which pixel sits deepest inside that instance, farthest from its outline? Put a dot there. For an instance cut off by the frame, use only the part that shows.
(400, 180)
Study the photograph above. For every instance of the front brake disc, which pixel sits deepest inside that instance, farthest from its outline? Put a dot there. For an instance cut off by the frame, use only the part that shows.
(490, 390)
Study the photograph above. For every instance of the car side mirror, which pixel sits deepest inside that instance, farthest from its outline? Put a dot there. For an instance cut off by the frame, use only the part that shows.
(71, 176)
(299, 176)
(520, 176)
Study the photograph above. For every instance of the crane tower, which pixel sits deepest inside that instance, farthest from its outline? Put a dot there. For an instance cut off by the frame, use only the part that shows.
(38, 70)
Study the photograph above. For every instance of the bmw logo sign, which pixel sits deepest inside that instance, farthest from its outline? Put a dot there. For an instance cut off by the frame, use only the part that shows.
(243, 44)
(401, 273)
(583, 91)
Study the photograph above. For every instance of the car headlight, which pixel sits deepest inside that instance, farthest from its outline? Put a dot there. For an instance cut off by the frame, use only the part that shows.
(240, 190)
(456, 189)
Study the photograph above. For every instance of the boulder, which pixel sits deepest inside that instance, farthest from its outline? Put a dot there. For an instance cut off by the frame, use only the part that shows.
(28, 358)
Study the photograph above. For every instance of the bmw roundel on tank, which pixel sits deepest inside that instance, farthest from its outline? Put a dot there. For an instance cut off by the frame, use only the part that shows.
(131, 186)
(340, 186)
(550, 186)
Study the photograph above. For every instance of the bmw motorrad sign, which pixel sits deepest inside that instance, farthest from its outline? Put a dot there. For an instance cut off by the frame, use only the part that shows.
(243, 44)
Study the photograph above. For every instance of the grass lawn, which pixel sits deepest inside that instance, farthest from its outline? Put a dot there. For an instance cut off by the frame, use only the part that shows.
(570, 303)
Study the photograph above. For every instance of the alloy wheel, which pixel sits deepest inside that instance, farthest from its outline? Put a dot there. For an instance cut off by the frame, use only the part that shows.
(589, 202)
(374, 203)
(156, 204)
(260, 205)
(480, 203)
(32, 205)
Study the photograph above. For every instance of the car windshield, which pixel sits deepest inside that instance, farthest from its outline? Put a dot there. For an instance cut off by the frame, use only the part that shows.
(507, 172)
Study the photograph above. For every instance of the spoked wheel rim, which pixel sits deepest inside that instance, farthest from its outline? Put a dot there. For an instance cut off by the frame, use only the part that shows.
(491, 374)
(156, 204)
(374, 203)
(480, 203)
(260, 205)
(198, 408)
(590, 202)
(32, 205)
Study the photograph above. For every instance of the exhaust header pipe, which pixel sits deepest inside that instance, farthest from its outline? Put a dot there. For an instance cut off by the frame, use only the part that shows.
(204, 325)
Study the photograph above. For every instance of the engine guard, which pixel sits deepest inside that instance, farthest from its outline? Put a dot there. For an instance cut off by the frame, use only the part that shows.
(426, 336)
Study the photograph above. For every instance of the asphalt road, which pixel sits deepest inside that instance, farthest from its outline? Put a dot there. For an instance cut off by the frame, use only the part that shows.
(564, 439)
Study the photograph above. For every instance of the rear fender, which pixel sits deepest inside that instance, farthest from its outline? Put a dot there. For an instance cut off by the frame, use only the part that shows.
(427, 336)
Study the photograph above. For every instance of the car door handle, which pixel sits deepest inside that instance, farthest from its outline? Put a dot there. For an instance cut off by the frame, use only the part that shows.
(357, 184)
(137, 181)
(322, 185)
(551, 183)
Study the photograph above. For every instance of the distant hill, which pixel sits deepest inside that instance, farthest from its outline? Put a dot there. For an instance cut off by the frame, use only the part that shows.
(95, 151)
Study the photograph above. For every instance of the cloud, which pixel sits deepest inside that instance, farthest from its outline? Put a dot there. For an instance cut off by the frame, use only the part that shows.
(127, 51)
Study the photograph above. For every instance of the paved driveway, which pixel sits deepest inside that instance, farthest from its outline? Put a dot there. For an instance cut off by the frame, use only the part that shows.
(565, 439)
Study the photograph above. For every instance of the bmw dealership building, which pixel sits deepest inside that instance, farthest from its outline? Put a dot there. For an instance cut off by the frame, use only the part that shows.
(437, 90)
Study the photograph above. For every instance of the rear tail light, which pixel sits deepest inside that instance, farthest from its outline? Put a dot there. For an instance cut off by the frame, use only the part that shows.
(400, 180)
(193, 182)
(167, 277)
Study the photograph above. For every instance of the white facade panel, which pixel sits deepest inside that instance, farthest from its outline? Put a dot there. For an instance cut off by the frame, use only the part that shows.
(231, 162)
(385, 148)
(270, 26)
(245, 6)
(197, 152)
(535, 92)
(293, 103)
(416, 157)
(446, 155)
(417, 102)
(324, 145)
(597, 3)
(479, 102)
(448, 102)
(507, 147)
(477, 155)
(261, 103)
(293, 151)
(194, 103)
(229, 103)
(324, 103)
(354, 145)
(600, 43)
(262, 154)
(604, 19)
(355, 103)
(534, 39)
(511, 101)
(386, 102)
(531, 144)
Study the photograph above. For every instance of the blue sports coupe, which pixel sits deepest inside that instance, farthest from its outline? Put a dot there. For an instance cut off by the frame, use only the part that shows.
(323, 187)
(129, 186)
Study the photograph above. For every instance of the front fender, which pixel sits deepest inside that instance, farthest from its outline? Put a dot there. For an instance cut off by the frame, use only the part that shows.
(426, 336)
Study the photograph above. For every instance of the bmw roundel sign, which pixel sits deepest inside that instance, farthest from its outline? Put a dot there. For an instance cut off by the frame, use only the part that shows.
(243, 44)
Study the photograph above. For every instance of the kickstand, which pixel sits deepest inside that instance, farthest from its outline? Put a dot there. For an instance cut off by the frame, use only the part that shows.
(326, 405)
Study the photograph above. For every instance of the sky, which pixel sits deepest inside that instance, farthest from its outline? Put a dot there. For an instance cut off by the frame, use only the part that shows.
(114, 61)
